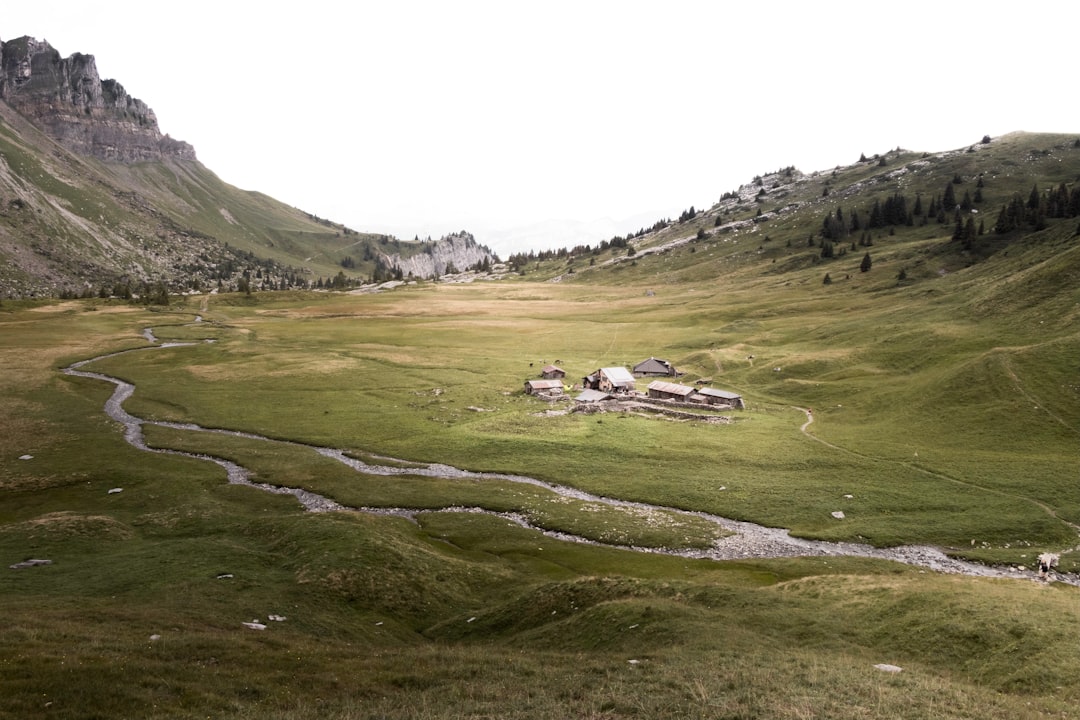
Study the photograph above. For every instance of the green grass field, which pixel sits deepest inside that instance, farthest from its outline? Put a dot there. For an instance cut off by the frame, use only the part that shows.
(949, 427)
(945, 400)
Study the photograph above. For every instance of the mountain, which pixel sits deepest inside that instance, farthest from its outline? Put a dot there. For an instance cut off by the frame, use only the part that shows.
(990, 210)
(94, 199)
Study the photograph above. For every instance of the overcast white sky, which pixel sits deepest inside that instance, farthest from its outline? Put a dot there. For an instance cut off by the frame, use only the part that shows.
(426, 117)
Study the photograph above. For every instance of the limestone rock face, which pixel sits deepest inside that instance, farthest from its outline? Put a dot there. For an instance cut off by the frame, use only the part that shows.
(67, 98)
(453, 253)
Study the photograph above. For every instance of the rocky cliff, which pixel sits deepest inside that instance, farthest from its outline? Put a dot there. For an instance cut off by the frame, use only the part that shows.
(453, 253)
(73, 105)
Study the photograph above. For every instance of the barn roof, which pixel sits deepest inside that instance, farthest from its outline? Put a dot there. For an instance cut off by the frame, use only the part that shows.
(544, 384)
(712, 392)
(552, 369)
(654, 366)
(592, 396)
(670, 388)
(618, 375)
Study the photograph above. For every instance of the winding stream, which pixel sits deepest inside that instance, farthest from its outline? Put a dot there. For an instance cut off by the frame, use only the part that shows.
(746, 540)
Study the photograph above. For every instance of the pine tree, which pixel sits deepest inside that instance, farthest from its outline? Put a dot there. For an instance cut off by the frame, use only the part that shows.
(1033, 198)
(864, 266)
(948, 198)
(958, 229)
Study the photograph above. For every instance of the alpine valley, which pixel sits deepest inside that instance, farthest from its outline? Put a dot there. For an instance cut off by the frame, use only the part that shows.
(257, 464)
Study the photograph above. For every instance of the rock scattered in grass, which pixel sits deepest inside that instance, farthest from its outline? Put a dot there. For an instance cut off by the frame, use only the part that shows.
(276, 618)
(33, 562)
(26, 457)
(116, 490)
(254, 625)
(224, 576)
(885, 667)
(839, 514)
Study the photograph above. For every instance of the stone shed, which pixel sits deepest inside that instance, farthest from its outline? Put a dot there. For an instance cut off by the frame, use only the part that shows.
(548, 388)
(552, 372)
(662, 390)
(711, 396)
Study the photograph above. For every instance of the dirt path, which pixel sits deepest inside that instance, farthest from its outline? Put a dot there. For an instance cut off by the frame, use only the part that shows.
(745, 541)
(941, 476)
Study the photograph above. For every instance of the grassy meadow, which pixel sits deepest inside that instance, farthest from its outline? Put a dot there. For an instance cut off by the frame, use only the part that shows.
(946, 411)
(946, 424)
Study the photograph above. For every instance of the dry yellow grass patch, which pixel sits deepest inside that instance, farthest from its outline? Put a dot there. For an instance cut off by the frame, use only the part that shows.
(314, 366)
(59, 307)
(18, 427)
(388, 353)
(70, 524)
(29, 369)
(217, 372)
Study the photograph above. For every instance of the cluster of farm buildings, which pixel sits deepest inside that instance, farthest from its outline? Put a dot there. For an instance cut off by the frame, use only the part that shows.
(612, 383)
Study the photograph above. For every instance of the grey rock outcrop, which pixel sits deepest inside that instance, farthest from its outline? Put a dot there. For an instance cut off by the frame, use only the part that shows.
(67, 98)
(453, 253)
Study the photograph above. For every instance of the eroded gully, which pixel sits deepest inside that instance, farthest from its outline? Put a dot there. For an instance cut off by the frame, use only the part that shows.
(745, 541)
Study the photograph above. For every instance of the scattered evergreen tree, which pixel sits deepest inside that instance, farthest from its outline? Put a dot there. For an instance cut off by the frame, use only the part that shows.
(827, 280)
(948, 198)
(864, 266)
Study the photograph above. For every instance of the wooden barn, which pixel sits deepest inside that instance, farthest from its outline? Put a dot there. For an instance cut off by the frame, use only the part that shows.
(662, 390)
(552, 372)
(610, 379)
(655, 367)
(544, 387)
(712, 396)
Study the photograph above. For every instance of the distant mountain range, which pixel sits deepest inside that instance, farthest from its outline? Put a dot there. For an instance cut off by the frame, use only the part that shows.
(96, 201)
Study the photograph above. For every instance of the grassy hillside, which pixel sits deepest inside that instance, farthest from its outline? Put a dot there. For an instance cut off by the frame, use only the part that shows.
(72, 224)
